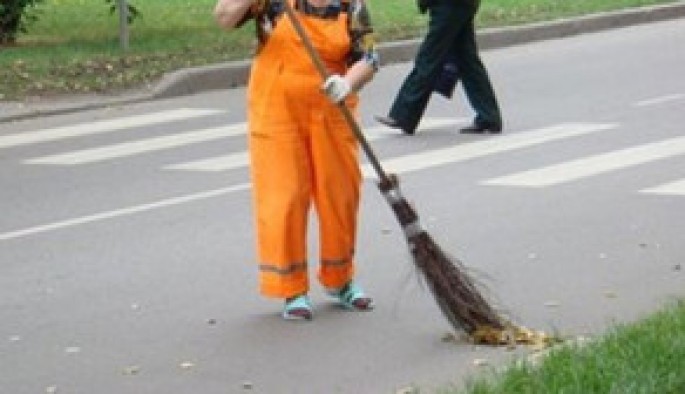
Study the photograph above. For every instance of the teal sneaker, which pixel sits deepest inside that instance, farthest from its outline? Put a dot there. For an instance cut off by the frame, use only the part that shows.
(352, 297)
(297, 308)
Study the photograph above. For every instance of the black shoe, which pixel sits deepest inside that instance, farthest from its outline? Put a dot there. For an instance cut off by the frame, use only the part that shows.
(482, 128)
(393, 124)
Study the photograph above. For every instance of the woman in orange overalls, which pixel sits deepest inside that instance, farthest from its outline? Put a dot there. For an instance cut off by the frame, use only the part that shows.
(302, 150)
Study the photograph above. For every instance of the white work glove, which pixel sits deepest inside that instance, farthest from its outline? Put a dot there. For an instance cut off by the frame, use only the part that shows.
(336, 88)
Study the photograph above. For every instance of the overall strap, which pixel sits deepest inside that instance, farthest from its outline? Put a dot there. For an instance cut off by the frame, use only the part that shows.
(272, 10)
(330, 11)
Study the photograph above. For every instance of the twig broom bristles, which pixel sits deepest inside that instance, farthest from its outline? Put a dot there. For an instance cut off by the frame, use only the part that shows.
(454, 291)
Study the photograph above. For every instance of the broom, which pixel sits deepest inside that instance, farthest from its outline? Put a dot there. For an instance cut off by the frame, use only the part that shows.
(454, 291)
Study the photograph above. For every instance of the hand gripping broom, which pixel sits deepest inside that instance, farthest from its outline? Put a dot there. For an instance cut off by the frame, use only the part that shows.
(454, 291)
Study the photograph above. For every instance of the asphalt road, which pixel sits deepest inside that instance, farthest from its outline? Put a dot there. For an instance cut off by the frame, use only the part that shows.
(126, 248)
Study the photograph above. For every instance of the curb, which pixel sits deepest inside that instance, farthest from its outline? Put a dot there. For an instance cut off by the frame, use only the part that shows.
(233, 74)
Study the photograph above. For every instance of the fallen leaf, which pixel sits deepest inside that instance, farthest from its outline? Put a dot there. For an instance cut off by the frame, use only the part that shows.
(72, 350)
(131, 370)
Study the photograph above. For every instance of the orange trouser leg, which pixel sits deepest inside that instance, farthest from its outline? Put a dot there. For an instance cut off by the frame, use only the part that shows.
(281, 195)
(337, 182)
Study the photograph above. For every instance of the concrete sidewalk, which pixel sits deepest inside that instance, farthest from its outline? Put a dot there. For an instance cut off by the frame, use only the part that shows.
(232, 74)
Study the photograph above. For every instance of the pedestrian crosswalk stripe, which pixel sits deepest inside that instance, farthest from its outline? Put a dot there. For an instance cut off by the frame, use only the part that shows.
(676, 188)
(660, 100)
(468, 151)
(241, 159)
(593, 165)
(109, 152)
(218, 163)
(430, 123)
(101, 126)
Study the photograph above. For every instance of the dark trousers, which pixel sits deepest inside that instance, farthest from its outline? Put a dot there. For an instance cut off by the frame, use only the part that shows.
(450, 31)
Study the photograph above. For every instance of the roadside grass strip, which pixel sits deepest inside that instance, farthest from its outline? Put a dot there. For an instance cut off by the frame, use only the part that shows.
(72, 46)
(647, 356)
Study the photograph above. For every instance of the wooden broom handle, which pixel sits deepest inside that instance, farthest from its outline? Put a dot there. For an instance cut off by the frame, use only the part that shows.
(321, 68)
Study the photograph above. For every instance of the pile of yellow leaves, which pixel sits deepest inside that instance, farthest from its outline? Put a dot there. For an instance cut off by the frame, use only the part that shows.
(512, 335)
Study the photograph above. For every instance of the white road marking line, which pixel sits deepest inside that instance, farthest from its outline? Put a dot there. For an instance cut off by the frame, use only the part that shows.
(218, 163)
(122, 212)
(113, 151)
(660, 100)
(492, 145)
(676, 188)
(241, 159)
(101, 126)
(428, 123)
(589, 166)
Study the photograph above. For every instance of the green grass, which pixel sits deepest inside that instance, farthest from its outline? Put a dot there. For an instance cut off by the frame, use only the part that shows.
(644, 357)
(74, 45)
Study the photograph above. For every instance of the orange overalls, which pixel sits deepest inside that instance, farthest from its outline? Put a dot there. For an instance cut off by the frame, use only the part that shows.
(302, 151)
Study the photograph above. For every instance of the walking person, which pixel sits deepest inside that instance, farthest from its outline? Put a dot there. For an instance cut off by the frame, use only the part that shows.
(302, 151)
(451, 35)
